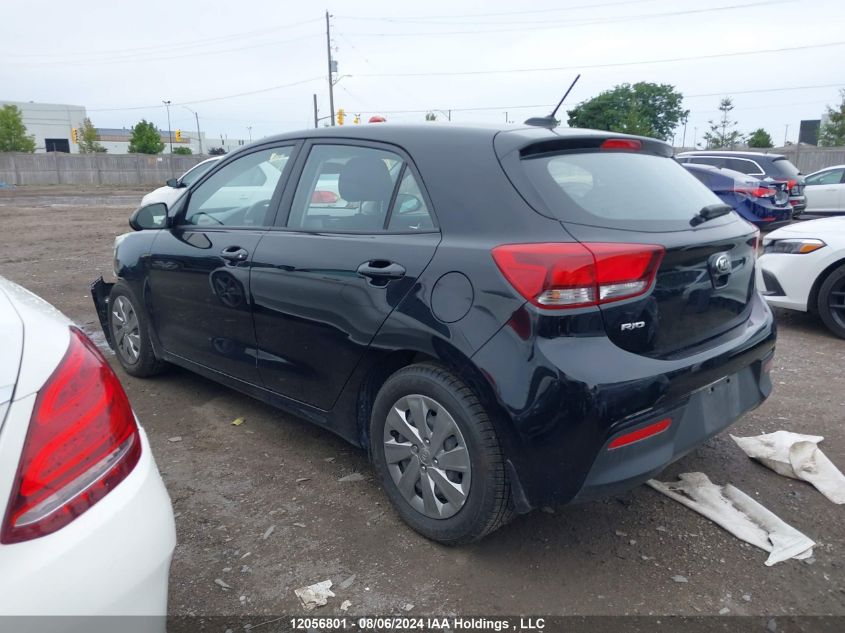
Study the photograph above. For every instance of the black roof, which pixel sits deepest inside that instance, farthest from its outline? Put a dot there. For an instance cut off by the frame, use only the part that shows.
(442, 134)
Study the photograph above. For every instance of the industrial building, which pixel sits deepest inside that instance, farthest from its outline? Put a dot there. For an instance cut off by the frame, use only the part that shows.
(51, 124)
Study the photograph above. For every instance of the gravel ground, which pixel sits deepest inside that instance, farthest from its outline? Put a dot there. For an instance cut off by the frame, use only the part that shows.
(260, 507)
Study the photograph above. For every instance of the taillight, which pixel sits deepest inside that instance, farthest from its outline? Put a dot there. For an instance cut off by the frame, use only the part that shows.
(82, 441)
(556, 275)
(757, 192)
(630, 144)
(754, 240)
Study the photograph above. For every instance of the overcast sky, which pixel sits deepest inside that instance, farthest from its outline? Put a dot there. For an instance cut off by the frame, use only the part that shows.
(120, 59)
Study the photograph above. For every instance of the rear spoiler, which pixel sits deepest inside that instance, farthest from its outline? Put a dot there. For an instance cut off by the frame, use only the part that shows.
(623, 142)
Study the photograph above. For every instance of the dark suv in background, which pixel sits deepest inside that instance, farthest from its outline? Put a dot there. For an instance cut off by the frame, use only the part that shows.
(503, 319)
(776, 167)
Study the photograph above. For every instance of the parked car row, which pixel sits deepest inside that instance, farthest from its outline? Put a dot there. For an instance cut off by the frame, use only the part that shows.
(438, 297)
(769, 168)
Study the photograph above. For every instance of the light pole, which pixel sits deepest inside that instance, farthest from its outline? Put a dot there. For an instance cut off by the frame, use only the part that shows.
(332, 66)
(199, 136)
(169, 134)
(249, 128)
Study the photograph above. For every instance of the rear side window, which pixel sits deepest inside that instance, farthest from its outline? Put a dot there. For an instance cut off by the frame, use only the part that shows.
(743, 165)
(623, 190)
(345, 188)
(782, 168)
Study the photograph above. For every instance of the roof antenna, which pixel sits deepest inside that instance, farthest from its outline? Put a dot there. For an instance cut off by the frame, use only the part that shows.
(550, 121)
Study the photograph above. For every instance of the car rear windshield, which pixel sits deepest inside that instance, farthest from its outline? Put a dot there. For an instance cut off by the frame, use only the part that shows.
(623, 190)
(783, 168)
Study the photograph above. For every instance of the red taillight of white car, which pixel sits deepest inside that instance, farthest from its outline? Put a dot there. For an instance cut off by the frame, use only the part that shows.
(82, 441)
(574, 275)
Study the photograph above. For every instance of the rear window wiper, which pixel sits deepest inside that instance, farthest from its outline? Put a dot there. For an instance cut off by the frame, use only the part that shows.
(709, 212)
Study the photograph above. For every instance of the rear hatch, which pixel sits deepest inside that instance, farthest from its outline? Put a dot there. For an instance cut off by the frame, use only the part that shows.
(783, 171)
(635, 193)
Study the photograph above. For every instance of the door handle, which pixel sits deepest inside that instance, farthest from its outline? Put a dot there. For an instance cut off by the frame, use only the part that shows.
(234, 254)
(381, 269)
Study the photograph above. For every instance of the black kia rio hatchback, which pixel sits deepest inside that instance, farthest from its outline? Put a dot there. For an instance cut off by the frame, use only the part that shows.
(502, 318)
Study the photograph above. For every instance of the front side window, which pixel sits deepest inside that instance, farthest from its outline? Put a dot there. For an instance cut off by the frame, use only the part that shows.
(239, 194)
(344, 188)
(830, 177)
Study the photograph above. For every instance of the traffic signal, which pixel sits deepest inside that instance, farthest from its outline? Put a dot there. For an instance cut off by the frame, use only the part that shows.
(74, 134)
(341, 116)
(178, 136)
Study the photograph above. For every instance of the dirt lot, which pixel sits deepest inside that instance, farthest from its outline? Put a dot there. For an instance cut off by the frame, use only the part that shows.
(243, 518)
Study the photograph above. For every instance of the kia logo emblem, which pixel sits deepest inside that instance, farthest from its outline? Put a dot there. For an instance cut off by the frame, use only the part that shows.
(722, 264)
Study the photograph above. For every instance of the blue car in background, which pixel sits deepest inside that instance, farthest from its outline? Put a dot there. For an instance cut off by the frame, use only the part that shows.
(764, 204)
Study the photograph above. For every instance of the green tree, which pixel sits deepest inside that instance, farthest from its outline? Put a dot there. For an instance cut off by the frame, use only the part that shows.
(430, 116)
(145, 139)
(13, 137)
(722, 134)
(760, 138)
(832, 133)
(88, 143)
(182, 150)
(643, 108)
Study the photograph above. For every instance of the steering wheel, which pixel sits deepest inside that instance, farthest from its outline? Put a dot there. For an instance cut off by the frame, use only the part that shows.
(256, 214)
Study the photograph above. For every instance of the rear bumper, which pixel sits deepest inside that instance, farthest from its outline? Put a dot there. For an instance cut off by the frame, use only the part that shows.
(707, 412)
(100, 293)
(113, 560)
(562, 400)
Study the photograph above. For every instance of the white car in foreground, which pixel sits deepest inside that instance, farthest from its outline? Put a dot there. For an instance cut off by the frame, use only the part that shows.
(803, 268)
(87, 525)
(175, 187)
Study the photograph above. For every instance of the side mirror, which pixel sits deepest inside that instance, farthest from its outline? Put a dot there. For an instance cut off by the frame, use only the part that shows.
(173, 182)
(150, 216)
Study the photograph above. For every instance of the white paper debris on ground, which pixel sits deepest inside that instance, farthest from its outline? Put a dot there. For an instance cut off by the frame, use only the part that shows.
(315, 595)
(739, 514)
(797, 456)
(345, 605)
(353, 477)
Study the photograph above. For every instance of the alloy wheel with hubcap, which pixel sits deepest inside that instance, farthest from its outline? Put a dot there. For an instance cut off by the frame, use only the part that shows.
(427, 456)
(126, 330)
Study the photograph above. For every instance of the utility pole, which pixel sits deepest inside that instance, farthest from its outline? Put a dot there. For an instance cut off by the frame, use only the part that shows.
(170, 135)
(684, 137)
(199, 135)
(249, 128)
(694, 136)
(785, 132)
(316, 119)
(331, 66)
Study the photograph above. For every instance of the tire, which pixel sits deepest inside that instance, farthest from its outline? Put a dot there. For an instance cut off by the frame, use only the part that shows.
(132, 344)
(831, 301)
(458, 430)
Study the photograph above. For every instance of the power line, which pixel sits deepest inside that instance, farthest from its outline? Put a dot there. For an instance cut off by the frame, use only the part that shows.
(481, 15)
(579, 22)
(745, 92)
(133, 59)
(210, 99)
(548, 105)
(607, 65)
(167, 47)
